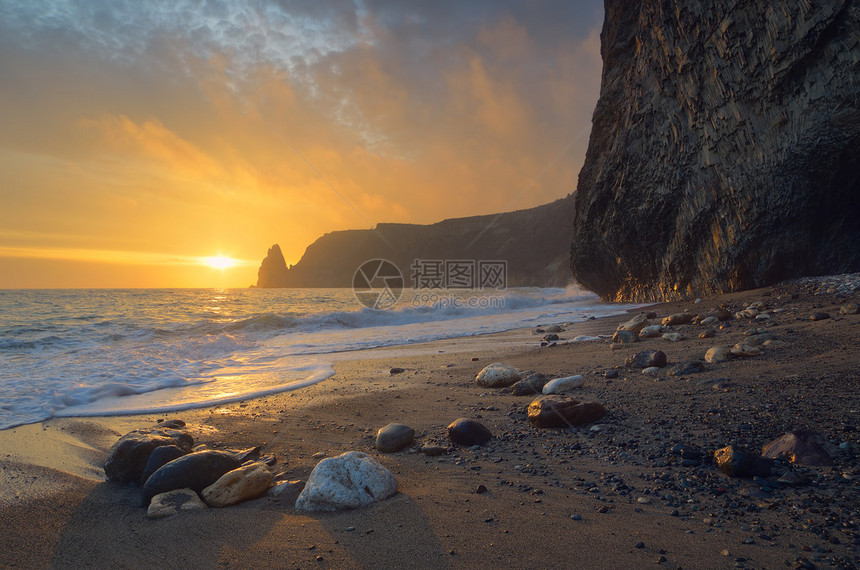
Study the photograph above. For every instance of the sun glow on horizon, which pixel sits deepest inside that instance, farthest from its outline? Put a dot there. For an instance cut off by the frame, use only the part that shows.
(219, 262)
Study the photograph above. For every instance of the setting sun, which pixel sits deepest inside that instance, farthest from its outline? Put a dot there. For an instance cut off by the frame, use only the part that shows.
(219, 262)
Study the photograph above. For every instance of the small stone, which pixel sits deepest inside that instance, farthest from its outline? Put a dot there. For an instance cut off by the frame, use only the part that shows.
(560, 411)
(651, 331)
(635, 324)
(849, 309)
(464, 431)
(576, 517)
(709, 321)
(646, 359)
(396, 370)
(434, 450)
(678, 319)
(245, 483)
(532, 383)
(717, 354)
(802, 447)
(707, 334)
(643, 501)
(738, 462)
(611, 374)
(639, 545)
(673, 336)
(394, 437)
(564, 385)
(652, 370)
(623, 337)
(498, 375)
(318, 455)
(480, 489)
(348, 481)
(745, 351)
(170, 503)
(551, 337)
(818, 316)
(554, 329)
(757, 339)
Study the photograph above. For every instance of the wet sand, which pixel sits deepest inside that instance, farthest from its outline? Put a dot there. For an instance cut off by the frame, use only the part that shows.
(608, 495)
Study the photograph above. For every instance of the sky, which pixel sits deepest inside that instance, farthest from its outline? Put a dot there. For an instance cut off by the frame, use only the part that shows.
(170, 144)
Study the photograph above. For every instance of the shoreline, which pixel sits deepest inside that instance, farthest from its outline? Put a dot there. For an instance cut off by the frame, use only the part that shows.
(536, 479)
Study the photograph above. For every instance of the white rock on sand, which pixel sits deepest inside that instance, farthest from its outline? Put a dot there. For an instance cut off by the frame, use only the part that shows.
(498, 375)
(348, 481)
(562, 385)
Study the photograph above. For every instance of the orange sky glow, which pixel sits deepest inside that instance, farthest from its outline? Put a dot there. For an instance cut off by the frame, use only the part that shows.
(169, 145)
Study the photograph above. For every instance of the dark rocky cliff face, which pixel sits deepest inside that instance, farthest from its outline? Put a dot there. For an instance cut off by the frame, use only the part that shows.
(533, 242)
(725, 148)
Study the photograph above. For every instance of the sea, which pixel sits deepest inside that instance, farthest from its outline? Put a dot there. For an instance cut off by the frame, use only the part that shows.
(91, 352)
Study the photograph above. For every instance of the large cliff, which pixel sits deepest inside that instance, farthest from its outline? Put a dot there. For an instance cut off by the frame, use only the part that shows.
(533, 242)
(725, 148)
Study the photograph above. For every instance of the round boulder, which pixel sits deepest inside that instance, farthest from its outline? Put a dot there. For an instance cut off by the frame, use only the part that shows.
(562, 385)
(348, 481)
(498, 375)
(560, 411)
(394, 437)
(464, 431)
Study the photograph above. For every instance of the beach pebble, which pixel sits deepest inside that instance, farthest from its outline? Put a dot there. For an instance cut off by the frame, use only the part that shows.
(560, 411)
(818, 316)
(562, 385)
(464, 431)
(802, 447)
(720, 314)
(673, 336)
(554, 329)
(677, 319)
(498, 375)
(394, 437)
(745, 351)
(652, 370)
(735, 461)
(651, 331)
(532, 383)
(348, 481)
(623, 337)
(717, 354)
(634, 325)
(646, 359)
(849, 309)
(610, 374)
(757, 339)
(396, 370)
(170, 503)
(709, 321)
(551, 337)
(707, 334)
(128, 456)
(194, 471)
(684, 368)
(434, 450)
(245, 483)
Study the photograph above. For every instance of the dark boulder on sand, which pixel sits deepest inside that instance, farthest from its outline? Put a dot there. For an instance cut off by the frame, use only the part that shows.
(127, 457)
(560, 411)
(194, 471)
(464, 431)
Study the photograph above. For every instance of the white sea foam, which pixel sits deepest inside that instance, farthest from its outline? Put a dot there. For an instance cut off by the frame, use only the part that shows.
(98, 352)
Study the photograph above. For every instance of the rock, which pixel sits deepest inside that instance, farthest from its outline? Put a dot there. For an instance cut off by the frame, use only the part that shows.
(554, 329)
(498, 375)
(685, 368)
(652, 370)
(128, 456)
(394, 437)
(707, 334)
(745, 351)
(396, 370)
(550, 337)
(563, 385)
(635, 324)
(849, 309)
(610, 374)
(818, 316)
(718, 354)
(709, 321)
(801, 447)
(243, 484)
(160, 456)
(561, 411)
(720, 313)
(738, 462)
(434, 450)
(532, 383)
(170, 424)
(678, 319)
(673, 336)
(273, 270)
(194, 471)
(651, 331)
(171, 502)
(646, 359)
(623, 337)
(757, 339)
(348, 481)
(673, 136)
(286, 490)
(464, 431)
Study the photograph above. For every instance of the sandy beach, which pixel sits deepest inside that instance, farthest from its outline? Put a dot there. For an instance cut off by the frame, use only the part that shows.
(612, 494)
